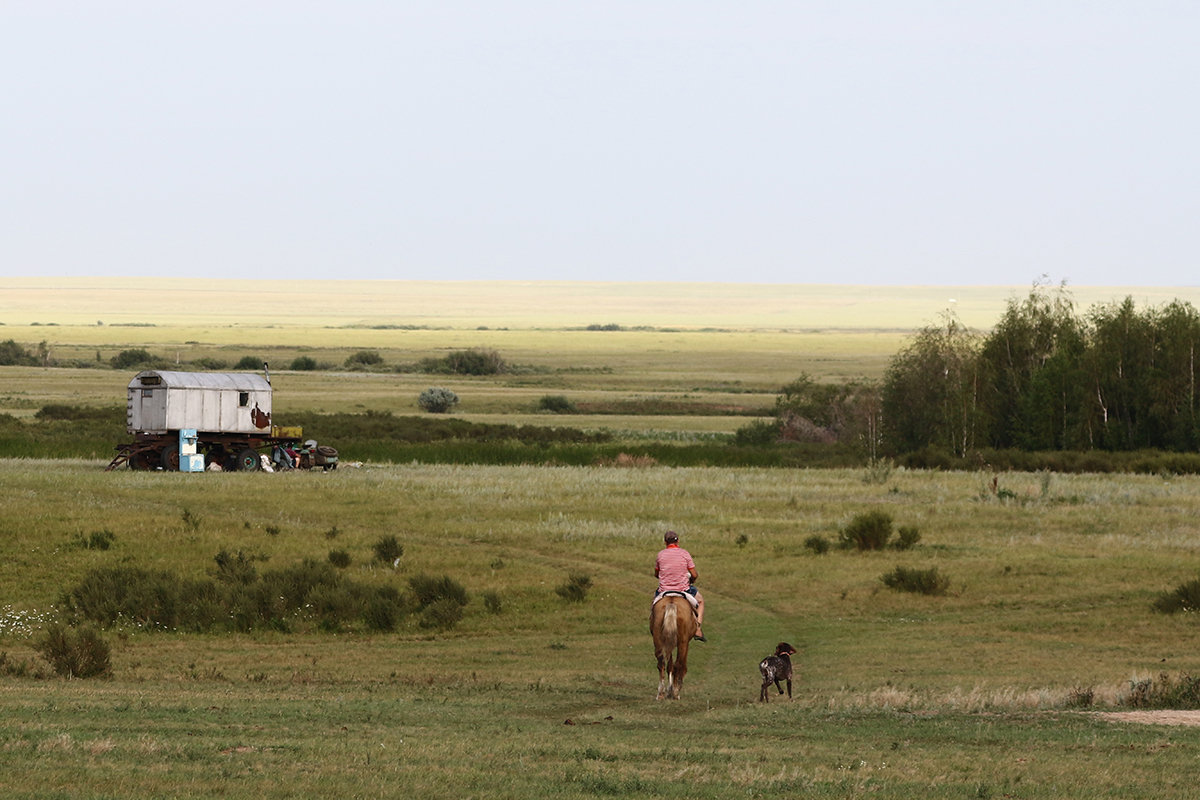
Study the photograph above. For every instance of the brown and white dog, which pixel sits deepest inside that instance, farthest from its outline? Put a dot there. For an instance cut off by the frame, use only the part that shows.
(777, 668)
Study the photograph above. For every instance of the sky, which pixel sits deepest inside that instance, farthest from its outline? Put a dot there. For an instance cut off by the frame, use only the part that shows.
(811, 141)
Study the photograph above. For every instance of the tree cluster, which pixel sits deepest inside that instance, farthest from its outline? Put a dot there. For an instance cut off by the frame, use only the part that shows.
(1045, 378)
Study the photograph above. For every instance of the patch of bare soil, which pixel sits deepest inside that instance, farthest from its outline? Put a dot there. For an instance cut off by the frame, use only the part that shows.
(1153, 717)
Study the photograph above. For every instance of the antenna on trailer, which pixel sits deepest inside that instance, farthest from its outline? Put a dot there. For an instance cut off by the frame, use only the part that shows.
(267, 370)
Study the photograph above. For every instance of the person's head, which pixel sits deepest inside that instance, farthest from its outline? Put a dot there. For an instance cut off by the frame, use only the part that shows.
(671, 537)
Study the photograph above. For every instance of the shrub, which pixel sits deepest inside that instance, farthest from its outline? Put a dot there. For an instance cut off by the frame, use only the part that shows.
(556, 404)
(576, 588)
(79, 654)
(233, 568)
(921, 581)
(303, 364)
(757, 434)
(867, 531)
(476, 361)
(388, 549)
(818, 544)
(364, 358)
(252, 363)
(127, 359)
(429, 590)
(441, 614)
(384, 610)
(1185, 597)
(437, 400)
(14, 355)
(906, 538)
(339, 558)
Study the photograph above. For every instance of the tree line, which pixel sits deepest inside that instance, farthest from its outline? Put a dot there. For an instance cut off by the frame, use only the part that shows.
(1045, 378)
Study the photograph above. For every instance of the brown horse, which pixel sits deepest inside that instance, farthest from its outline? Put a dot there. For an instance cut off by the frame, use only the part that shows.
(672, 625)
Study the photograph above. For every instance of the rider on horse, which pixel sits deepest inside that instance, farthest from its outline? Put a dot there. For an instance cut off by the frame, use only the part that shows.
(676, 572)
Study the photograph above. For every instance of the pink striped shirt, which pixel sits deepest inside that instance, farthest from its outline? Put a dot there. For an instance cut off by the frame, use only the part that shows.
(672, 567)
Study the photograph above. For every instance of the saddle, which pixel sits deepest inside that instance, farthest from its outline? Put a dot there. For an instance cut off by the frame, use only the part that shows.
(695, 604)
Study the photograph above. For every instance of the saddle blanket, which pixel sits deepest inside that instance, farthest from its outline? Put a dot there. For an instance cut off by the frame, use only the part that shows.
(690, 599)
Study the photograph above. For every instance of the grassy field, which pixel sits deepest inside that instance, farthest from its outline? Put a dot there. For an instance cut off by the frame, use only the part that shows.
(900, 695)
(981, 692)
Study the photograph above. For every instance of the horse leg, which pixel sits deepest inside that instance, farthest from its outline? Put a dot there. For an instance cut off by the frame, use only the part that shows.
(680, 667)
(662, 676)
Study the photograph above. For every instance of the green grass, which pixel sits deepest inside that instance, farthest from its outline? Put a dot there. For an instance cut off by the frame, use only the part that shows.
(898, 695)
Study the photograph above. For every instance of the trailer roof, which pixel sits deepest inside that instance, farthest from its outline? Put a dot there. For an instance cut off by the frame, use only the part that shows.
(239, 381)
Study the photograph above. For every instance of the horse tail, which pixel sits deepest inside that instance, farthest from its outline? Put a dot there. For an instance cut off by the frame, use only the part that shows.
(670, 627)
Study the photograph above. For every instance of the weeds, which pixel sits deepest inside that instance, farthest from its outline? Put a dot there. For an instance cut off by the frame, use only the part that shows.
(575, 590)
(96, 540)
(491, 601)
(191, 522)
(1184, 598)
(1165, 691)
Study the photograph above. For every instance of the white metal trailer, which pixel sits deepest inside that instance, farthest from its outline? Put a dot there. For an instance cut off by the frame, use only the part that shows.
(225, 416)
(209, 402)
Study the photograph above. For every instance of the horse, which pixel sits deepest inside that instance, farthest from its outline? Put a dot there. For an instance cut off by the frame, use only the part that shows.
(672, 625)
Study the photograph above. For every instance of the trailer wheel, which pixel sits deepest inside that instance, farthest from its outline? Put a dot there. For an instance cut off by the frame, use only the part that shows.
(170, 459)
(142, 460)
(247, 460)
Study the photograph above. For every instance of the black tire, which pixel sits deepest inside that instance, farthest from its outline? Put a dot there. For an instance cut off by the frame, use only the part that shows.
(247, 460)
(170, 459)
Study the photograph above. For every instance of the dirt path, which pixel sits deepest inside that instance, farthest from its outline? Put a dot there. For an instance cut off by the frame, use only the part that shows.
(1153, 717)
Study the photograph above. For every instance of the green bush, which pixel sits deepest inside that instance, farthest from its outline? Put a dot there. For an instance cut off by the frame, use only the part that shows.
(339, 558)
(437, 400)
(128, 359)
(818, 544)
(388, 549)
(867, 531)
(303, 364)
(556, 404)
(921, 581)
(234, 568)
(759, 433)
(14, 355)
(428, 590)
(441, 614)
(82, 653)
(364, 358)
(906, 538)
(249, 363)
(384, 610)
(476, 361)
(576, 588)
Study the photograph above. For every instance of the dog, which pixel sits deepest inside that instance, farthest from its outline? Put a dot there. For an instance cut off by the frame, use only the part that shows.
(777, 668)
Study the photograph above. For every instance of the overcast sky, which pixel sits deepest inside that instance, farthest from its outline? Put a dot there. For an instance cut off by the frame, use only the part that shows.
(834, 141)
